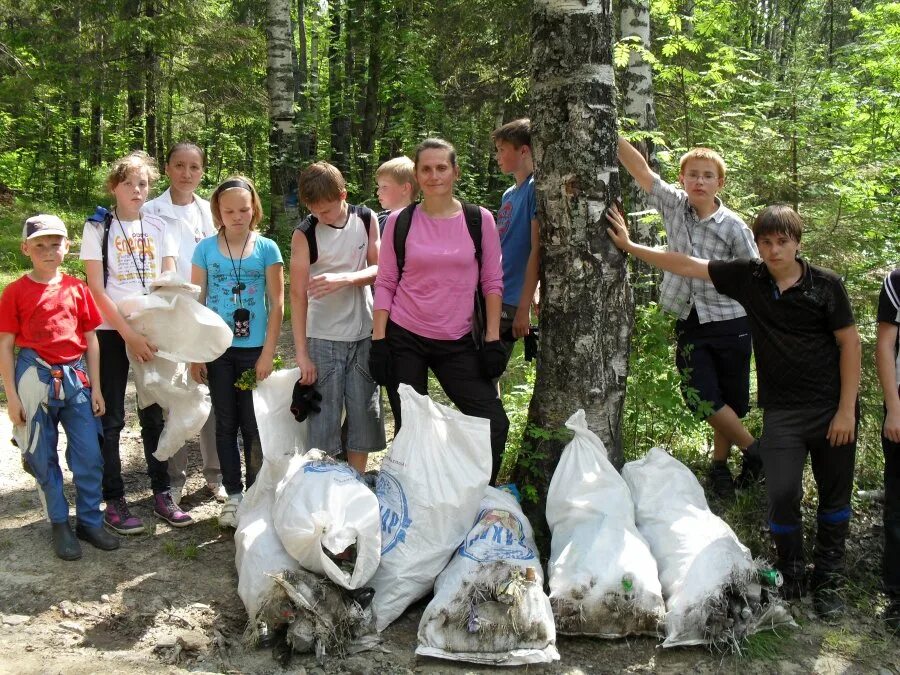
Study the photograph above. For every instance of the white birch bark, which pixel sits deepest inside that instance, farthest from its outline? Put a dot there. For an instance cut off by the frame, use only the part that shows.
(586, 306)
(282, 133)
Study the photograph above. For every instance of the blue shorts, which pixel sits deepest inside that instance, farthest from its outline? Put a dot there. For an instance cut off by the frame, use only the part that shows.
(345, 385)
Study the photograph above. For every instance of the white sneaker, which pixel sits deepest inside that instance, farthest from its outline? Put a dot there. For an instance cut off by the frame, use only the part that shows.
(228, 514)
(218, 491)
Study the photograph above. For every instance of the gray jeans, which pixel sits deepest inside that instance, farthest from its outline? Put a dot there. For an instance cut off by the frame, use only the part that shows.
(178, 462)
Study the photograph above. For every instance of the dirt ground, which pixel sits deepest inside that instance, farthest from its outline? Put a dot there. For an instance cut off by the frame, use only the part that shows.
(166, 602)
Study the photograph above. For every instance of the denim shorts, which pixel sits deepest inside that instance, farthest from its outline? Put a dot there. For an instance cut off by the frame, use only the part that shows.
(345, 385)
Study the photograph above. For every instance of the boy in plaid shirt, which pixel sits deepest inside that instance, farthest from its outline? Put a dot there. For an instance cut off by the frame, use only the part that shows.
(713, 348)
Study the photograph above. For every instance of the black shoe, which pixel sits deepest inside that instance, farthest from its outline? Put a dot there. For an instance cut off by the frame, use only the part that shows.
(97, 537)
(65, 545)
(751, 468)
(827, 601)
(892, 616)
(720, 481)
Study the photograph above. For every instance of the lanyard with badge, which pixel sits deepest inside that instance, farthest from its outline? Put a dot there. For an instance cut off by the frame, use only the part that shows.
(241, 315)
(141, 269)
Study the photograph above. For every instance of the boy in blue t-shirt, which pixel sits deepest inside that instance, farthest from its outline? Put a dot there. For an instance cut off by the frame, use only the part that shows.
(518, 227)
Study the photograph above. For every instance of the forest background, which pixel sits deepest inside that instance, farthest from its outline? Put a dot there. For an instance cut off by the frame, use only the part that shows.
(801, 98)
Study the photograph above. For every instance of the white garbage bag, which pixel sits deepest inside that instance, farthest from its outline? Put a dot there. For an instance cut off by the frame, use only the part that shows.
(708, 577)
(324, 510)
(258, 549)
(184, 332)
(489, 604)
(603, 577)
(429, 488)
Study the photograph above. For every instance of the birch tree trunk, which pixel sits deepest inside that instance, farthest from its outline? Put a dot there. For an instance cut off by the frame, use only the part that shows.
(282, 132)
(586, 306)
(638, 105)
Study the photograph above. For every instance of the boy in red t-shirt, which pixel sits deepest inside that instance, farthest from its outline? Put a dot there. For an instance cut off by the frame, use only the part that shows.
(51, 317)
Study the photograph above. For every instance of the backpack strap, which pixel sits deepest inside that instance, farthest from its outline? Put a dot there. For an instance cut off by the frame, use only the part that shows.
(472, 213)
(365, 214)
(107, 226)
(308, 227)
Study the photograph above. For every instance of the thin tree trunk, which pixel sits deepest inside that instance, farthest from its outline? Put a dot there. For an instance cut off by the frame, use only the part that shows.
(638, 105)
(337, 104)
(282, 132)
(151, 78)
(586, 305)
(134, 115)
(370, 106)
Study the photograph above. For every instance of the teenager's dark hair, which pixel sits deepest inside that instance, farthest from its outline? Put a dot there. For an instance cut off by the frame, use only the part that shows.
(320, 182)
(186, 145)
(778, 219)
(435, 144)
(517, 132)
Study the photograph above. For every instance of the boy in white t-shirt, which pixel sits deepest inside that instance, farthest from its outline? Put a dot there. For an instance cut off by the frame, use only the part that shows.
(334, 260)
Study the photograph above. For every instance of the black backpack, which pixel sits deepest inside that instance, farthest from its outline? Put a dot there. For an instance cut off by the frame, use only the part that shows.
(104, 216)
(472, 213)
(308, 227)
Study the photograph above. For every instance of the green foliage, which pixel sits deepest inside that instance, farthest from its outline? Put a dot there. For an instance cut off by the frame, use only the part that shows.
(178, 551)
(247, 380)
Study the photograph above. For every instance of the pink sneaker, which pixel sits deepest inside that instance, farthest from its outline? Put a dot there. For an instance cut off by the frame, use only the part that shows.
(119, 518)
(164, 507)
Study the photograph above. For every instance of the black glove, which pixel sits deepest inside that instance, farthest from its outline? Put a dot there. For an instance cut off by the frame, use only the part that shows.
(380, 362)
(493, 359)
(304, 400)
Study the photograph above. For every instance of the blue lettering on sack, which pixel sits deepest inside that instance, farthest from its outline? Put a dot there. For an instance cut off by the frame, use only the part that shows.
(497, 535)
(326, 465)
(394, 511)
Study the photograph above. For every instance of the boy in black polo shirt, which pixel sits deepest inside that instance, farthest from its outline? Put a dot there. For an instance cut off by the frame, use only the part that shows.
(808, 367)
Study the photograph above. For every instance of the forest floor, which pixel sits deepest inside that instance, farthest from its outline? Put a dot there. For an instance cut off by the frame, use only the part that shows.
(167, 602)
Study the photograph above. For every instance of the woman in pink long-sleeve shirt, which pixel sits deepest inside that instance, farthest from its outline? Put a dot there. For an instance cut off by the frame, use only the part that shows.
(423, 315)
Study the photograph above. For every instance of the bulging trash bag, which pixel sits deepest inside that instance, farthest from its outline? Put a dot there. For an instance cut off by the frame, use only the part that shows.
(429, 488)
(709, 579)
(603, 577)
(258, 549)
(172, 319)
(323, 511)
(184, 332)
(489, 604)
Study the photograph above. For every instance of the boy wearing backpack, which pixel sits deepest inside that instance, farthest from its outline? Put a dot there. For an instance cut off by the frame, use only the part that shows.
(334, 260)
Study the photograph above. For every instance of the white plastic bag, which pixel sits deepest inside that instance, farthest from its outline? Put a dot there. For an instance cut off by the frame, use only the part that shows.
(489, 604)
(184, 332)
(708, 577)
(325, 507)
(429, 488)
(603, 577)
(258, 549)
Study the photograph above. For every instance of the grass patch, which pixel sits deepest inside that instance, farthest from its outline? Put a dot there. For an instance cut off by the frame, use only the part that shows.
(841, 641)
(764, 646)
(178, 552)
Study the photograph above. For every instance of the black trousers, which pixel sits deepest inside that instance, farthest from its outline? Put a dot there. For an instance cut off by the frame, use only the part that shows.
(455, 365)
(234, 412)
(788, 437)
(114, 367)
(891, 517)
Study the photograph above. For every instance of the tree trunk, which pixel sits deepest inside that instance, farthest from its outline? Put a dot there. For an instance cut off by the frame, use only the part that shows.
(370, 105)
(151, 79)
(586, 305)
(282, 133)
(337, 105)
(303, 119)
(638, 105)
(134, 115)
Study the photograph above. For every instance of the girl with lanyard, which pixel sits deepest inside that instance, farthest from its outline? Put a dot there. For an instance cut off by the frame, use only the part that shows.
(138, 249)
(241, 278)
(189, 220)
(423, 316)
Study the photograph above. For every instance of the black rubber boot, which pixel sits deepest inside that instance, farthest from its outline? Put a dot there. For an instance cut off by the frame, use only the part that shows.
(721, 484)
(97, 537)
(827, 601)
(751, 468)
(791, 564)
(65, 545)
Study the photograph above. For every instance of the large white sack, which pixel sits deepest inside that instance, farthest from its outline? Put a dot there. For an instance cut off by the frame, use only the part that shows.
(184, 331)
(705, 570)
(603, 577)
(259, 552)
(325, 507)
(172, 319)
(429, 488)
(489, 604)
